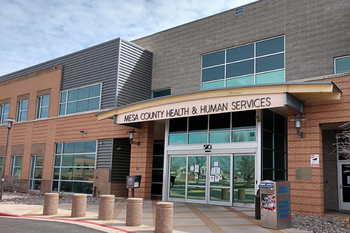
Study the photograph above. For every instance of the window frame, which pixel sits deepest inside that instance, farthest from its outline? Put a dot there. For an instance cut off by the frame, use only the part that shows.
(33, 168)
(13, 165)
(66, 102)
(61, 166)
(2, 164)
(40, 107)
(208, 131)
(2, 114)
(20, 110)
(335, 63)
(163, 89)
(254, 58)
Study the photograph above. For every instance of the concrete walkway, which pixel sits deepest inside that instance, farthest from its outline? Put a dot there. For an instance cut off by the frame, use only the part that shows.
(187, 218)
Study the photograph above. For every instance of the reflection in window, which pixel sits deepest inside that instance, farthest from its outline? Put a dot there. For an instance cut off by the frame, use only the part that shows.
(216, 128)
(43, 106)
(74, 167)
(342, 65)
(245, 65)
(22, 110)
(4, 112)
(16, 165)
(177, 177)
(80, 100)
(36, 170)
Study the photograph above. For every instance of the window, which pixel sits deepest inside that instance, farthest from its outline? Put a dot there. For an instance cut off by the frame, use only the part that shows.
(4, 112)
(22, 110)
(1, 164)
(256, 63)
(42, 110)
(74, 167)
(217, 128)
(16, 165)
(274, 153)
(160, 93)
(342, 64)
(36, 171)
(80, 99)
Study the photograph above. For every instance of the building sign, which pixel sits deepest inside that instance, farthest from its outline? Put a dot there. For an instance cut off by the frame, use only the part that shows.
(204, 107)
(314, 160)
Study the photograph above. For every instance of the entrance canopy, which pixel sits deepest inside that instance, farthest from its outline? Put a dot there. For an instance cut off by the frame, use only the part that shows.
(224, 100)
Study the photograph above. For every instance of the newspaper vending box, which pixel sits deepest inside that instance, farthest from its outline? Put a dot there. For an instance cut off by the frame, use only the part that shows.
(275, 204)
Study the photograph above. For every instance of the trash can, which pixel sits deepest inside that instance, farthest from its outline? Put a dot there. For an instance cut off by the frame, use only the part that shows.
(275, 204)
(257, 205)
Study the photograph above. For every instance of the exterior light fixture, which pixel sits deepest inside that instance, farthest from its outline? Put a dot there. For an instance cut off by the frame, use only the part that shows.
(9, 121)
(83, 133)
(131, 133)
(297, 124)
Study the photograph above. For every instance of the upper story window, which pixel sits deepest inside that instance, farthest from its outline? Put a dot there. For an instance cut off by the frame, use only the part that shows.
(342, 64)
(160, 93)
(80, 99)
(4, 112)
(256, 63)
(42, 110)
(22, 110)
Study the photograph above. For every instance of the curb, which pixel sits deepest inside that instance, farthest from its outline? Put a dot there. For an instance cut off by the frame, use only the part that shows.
(2, 214)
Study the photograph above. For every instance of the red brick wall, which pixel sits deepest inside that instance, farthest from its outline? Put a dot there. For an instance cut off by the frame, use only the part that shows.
(307, 197)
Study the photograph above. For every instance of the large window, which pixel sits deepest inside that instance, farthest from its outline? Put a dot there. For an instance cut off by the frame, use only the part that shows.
(80, 99)
(22, 110)
(74, 167)
(42, 110)
(161, 93)
(256, 63)
(274, 142)
(36, 171)
(16, 165)
(4, 112)
(342, 64)
(216, 128)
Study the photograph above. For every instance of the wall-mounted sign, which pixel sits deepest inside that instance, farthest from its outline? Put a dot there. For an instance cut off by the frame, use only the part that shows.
(203, 107)
(314, 160)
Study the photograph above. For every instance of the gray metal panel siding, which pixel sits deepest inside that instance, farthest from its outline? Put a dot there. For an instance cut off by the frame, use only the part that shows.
(104, 154)
(121, 160)
(135, 74)
(92, 65)
(316, 31)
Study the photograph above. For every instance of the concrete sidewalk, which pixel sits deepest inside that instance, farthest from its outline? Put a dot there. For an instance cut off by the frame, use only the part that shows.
(187, 218)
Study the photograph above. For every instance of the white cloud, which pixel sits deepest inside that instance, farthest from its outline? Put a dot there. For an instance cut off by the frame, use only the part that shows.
(39, 30)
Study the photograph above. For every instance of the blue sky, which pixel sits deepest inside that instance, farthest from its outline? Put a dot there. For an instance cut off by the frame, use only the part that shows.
(34, 31)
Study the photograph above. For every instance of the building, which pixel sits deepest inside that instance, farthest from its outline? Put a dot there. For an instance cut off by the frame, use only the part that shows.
(212, 102)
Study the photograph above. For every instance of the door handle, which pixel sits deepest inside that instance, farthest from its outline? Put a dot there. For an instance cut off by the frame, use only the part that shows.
(341, 186)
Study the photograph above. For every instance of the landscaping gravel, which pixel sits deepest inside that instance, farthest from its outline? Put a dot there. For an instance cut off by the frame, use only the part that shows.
(319, 224)
(38, 199)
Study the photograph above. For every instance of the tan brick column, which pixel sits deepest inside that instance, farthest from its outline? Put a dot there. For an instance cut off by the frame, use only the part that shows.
(307, 196)
(141, 159)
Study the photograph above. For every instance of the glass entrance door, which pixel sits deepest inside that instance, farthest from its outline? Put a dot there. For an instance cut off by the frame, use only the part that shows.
(220, 180)
(244, 179)
(213, 179)
(197, 178)
(344, 188)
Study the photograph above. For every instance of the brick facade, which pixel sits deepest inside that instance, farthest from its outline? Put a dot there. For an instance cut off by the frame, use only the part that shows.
(38, 136)
(308, 195)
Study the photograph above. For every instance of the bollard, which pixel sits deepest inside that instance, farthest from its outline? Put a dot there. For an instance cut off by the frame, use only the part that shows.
(164, 217)
(106, 208)
(79, 205)
(134, 212)
(50, 203)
